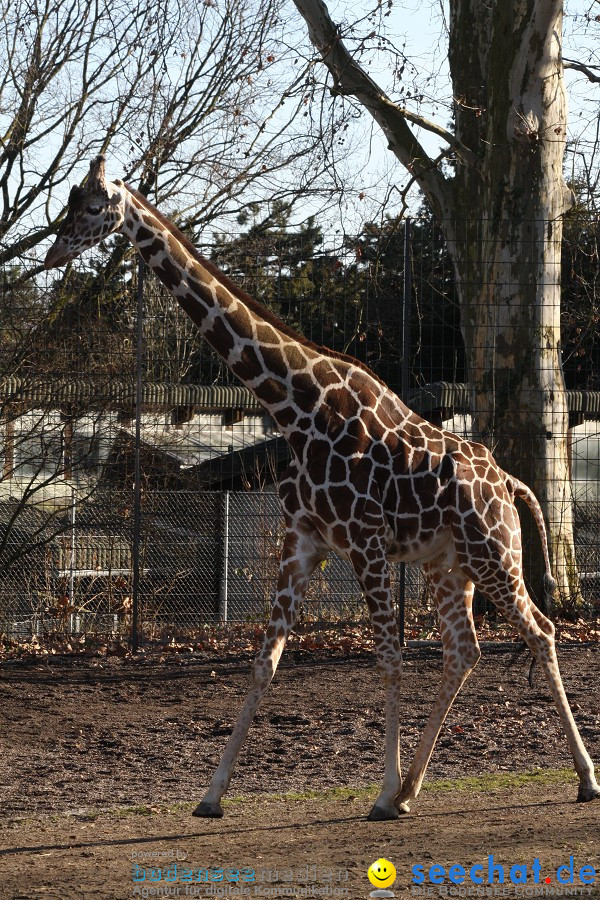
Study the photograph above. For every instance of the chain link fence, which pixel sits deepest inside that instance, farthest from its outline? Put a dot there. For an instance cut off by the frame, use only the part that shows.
(205, 557)
(139, 481)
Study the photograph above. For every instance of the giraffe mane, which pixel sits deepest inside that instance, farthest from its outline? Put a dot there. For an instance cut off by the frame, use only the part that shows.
(265, 314)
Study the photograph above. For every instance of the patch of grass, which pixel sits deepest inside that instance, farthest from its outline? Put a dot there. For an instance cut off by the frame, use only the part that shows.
(88, 815)
(501, 781)
(488, 783)
(493, 781)
(141, 810)
(335, 793)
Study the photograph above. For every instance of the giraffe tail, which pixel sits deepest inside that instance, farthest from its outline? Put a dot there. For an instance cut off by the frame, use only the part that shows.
(521, 490)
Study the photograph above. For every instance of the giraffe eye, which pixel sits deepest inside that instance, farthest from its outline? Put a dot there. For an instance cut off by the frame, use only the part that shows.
(94, 210)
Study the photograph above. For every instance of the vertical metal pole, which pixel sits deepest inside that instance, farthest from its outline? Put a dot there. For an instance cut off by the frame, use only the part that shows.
(224, 593)
(137, 491)
(72, 561)
(406, 355)
(406, 311)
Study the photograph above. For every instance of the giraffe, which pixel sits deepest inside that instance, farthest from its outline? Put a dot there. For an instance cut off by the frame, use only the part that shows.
(368, 479)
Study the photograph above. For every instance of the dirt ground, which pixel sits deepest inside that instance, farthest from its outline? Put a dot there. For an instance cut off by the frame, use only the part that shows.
(98, 756)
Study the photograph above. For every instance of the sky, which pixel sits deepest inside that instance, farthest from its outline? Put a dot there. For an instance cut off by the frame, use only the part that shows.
(416, 26)
(373, 173)
(419, 27)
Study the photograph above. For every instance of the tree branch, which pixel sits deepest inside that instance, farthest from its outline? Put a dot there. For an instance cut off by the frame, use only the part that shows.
(350, 79)
(580, 67)
(459, 148)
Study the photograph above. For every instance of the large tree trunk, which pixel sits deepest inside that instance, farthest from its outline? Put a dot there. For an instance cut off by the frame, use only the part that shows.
(511, 322)
(509, 273)
(500, 209)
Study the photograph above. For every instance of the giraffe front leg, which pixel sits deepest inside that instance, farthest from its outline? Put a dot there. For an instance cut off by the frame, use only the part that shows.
(386, 806)
(210, 805)
(453, 594)
(298, 560)
(372, 572)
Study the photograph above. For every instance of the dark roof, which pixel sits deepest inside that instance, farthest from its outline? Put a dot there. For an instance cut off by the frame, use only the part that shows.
(443, 395)
(454, 397)
(115, 394)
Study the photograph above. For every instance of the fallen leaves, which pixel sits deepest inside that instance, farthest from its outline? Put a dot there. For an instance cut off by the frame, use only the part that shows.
(344, 639)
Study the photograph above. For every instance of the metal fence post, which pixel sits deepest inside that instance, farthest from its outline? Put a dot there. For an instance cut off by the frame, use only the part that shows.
(406, 354)
(73, 561)
(137, 491)
(224, 588)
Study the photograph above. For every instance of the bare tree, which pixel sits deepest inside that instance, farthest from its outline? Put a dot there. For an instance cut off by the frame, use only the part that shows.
(194, 102)
(499, 198)
(193, 99)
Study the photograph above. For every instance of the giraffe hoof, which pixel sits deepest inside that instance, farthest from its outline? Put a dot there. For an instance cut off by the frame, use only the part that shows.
(383, 813)
(208, 811)
(403, 807)
(587, 793)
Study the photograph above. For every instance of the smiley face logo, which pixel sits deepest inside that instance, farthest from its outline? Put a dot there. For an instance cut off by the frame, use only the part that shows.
(382, 873)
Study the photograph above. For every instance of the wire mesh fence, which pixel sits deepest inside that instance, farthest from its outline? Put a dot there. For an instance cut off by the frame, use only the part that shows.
(139, 479)
(205, 557)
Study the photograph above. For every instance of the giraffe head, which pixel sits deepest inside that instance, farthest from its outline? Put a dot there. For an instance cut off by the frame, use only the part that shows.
(95, 211)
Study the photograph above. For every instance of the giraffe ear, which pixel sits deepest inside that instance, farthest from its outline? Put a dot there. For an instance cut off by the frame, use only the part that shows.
(116, 199)
(76, 197)
(97, 176)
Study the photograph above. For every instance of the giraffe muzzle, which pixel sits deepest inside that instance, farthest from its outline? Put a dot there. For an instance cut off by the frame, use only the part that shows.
(57, 256)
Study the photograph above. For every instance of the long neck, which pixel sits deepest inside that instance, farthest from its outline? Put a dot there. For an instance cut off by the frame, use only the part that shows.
(274, 362)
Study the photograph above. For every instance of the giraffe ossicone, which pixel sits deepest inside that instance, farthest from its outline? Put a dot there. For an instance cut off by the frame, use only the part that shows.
(369, 480)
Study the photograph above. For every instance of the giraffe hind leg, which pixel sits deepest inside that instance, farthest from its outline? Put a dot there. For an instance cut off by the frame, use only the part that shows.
(538, 633)
(488, 542)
